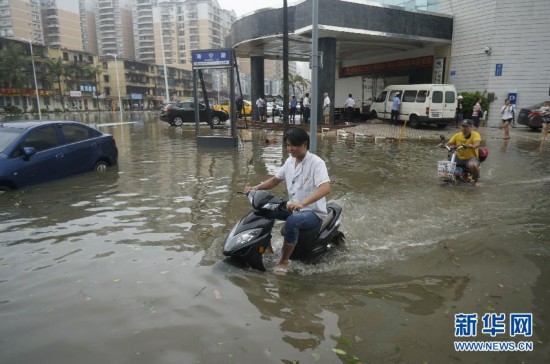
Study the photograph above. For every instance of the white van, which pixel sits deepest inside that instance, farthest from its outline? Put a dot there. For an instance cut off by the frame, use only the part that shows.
(420, 104)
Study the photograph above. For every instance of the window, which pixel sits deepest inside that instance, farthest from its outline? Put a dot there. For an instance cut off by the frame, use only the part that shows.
(106, 78)
(41, 139)
(382, 97)
(409, 96)
(450, 97)
(437, 97)
(75, 133)
(393, 93)
(422, 95)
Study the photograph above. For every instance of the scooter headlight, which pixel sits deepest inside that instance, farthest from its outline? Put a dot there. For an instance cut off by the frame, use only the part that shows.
(242, 239)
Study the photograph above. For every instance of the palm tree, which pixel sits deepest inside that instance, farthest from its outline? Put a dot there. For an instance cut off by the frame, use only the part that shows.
(13, 66)
(296, 81)
(304, 85)
(56, 68)
(94, 72)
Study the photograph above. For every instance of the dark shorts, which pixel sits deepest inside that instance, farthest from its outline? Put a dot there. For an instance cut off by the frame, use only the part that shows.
(546, 119)
(506, 120)
(464, 162)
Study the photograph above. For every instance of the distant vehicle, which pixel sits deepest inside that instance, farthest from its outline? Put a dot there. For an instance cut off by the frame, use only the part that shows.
(184, 112)
(420, 104)
(531, 116)
(225, 105)
(33, 152)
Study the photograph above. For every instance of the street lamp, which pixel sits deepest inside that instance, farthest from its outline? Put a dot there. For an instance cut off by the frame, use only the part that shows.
(167, 99)
(115, 55)
(35, 83)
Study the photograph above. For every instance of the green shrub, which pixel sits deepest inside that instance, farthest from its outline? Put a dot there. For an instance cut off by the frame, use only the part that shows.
(11, 109)
(469, 100)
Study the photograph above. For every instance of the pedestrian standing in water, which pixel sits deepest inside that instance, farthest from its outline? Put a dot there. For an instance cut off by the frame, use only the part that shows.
(507, 112)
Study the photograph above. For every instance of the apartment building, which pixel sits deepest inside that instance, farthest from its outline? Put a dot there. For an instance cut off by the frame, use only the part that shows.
(114, 28)
(21, 19)
(61, 24)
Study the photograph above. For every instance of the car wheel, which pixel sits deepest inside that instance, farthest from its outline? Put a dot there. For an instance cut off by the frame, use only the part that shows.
(100, 166)
(177, 121)
(216, 120)
(414, 122)
(4, 188)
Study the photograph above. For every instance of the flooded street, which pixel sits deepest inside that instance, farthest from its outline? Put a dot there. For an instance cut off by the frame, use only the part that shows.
(127, 266)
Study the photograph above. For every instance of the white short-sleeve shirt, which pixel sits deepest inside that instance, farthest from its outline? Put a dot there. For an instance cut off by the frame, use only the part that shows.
(303, 179)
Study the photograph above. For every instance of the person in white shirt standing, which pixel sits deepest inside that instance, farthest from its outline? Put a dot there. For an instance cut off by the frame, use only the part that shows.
(326, 108)
(307, 108)
(350, 107)
(307, 183)
(260, 104)
(507, 112)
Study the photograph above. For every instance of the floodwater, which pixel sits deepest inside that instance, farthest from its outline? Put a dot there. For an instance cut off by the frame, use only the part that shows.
(126, 266)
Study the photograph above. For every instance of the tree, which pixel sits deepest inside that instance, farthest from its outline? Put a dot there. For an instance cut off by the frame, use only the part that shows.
(94, 72)
(56, 68)
(297, 82)
(13, 66)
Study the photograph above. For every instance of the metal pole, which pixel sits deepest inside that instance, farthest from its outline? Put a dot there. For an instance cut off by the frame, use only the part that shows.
(118, 88)
(35, 83)
(285, 67)
(314, 74)
(167, 99)
(118, 84)
(218, 85)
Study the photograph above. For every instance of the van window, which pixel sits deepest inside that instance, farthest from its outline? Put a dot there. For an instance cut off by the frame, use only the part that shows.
(393, 93)
(450, 97)
(382, 96)
(409, 96)
(421, 97)
(437, 97)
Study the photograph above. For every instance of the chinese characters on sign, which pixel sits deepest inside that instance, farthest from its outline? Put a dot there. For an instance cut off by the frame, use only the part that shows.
(211, 58)
(386, 66)
(493, 324)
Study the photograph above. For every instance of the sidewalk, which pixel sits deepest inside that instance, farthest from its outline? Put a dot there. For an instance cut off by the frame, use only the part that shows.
(377, 130)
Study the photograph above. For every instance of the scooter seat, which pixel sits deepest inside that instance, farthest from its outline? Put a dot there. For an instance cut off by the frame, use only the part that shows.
(324, 224)
(327, 219)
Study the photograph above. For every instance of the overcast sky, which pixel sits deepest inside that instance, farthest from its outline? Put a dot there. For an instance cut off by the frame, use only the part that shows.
(242, 7)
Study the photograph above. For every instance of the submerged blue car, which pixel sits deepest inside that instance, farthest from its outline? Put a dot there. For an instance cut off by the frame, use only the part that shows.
(33, 152)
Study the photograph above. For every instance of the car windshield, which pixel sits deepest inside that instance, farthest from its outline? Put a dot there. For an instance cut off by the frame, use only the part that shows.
(7, 136)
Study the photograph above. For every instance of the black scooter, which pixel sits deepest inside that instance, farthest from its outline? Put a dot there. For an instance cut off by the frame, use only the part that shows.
(251, 236)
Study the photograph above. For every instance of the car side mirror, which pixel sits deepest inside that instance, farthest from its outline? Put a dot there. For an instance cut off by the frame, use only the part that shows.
(28, 152)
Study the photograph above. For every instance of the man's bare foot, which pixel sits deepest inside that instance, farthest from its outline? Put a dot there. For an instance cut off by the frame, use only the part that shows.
(282, 267)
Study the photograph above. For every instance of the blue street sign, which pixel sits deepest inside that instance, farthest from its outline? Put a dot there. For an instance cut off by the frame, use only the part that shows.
(209, 58)
(512, 96)
(498, 69)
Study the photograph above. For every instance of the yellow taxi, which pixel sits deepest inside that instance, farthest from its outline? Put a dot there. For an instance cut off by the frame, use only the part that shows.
(226, 105)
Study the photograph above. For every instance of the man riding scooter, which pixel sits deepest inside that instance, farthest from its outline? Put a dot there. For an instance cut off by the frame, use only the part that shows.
(470, 141)
(307, 182)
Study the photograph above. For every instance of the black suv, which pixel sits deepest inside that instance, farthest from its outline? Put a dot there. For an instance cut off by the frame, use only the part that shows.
(184, 112)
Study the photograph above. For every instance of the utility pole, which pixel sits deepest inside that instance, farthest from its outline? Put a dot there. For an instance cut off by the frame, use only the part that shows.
(285, 66)
(314, 76)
